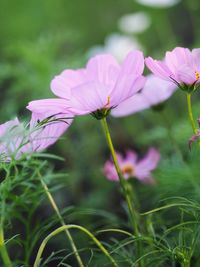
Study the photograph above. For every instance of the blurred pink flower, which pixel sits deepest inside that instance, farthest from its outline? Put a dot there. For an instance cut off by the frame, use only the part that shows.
(9, 143)
(16, 139)
(155, 91)
(132, 167)
(180, 65)
(98, 88)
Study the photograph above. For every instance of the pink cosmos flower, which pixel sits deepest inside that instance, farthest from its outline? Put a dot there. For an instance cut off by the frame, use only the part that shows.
(132, 167)
(16, 140)
(180, 65)
(155, 91)
(99, 87)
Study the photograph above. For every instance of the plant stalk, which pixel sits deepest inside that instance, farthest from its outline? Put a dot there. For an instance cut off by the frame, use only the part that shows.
(3, 250)
(185, 264)
(124, 186)
(67, 227)
(55, 207)
(190, 113)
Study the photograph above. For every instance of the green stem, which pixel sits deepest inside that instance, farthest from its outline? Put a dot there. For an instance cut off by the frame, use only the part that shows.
(124, 186)
(190, 113)
(185, 263)
(3, 250)
(67, 227)
(55, 207)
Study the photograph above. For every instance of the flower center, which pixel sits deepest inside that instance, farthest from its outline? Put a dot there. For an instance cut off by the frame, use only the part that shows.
(128, 169)
(103, 112)
(197, 75)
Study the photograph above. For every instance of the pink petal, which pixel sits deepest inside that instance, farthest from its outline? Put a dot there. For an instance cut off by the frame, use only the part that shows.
(11, 136)
(7, 126)
(49, 106)
(159, 68)
(148, 163)
(186, 75)
(62, 84)
(131, 105)
(126, 87)
(177, 57)
(59, 120)
(133, 64)
(103, 69)
(155, 91)
(110, 171)
(196, 58)
(131, 156)
(47, 134)
(120, 158)
(129, 80)
(88, 98)
(139, 83)
(109, 167)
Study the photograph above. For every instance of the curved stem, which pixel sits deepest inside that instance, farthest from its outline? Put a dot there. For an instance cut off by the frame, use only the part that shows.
(190, 113)
(67, 227)
(55, 207)
(116, 231)
(124, 186)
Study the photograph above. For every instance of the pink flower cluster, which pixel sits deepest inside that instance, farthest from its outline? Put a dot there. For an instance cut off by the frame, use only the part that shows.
(105, 86)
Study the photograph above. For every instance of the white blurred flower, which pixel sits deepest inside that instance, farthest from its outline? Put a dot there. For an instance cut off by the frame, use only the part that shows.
(95, 50)
(158, 3)
(118, 45)
(134, 23)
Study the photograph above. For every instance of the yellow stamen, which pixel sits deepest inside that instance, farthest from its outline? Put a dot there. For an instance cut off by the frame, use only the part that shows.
(108, 101)
(128, 169)
(197, 75)
(107, 104)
